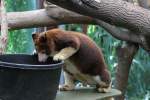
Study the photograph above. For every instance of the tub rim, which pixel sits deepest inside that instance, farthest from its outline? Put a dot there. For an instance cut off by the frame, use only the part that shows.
(28, 66)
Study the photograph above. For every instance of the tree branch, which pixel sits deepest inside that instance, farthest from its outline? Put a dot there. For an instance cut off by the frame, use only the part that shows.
(145, 39)
(54, 15)
(114, 31)
(121, 34)
(117, 12)
(38, 18)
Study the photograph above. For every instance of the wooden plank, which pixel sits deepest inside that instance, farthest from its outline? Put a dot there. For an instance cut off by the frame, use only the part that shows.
(85, 94)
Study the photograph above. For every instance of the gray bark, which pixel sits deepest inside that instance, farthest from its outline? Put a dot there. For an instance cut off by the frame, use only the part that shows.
(117, 12)
(54, 15)
(125, 55)
(40, 18)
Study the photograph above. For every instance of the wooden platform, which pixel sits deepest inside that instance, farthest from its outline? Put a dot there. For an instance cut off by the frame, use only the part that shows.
(85, 94)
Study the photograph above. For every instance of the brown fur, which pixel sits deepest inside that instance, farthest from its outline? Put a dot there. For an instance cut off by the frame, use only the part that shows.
(88, 59)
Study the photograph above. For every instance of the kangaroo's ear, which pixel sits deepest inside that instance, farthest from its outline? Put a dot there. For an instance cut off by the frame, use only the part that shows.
(43, 38)
(34, 36)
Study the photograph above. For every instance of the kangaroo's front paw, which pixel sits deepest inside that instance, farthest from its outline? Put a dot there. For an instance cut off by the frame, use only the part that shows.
(59, 57)
(66, 87)
(104, 90)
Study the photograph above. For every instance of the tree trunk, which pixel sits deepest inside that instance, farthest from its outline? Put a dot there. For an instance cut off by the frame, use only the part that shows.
(122, 82)
(117, 12)
(4, 28)
(125, 55)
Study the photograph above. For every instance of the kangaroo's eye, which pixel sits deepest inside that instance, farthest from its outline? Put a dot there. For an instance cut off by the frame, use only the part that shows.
(43, 51)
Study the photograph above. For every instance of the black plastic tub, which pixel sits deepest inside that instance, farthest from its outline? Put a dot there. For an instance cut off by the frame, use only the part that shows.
(22, 77)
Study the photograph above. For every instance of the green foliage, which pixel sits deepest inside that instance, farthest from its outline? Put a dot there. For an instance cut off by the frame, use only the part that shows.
(139, 81)
(19, 41)
(19, 5)
(73, 27)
